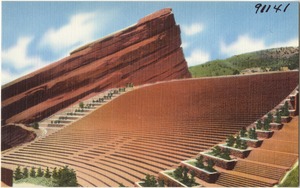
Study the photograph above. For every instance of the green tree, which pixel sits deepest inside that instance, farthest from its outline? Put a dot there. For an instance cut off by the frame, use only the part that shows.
(199, 162)
(161, 183)
(243, 132)
(225, 154)
(210, 166)
(259, 124)
(216, 151)
(270, 117)
(35, 125)
(278, 117)
(244, 144)
(230, 141)
(55, 173)
(285, 109)
(150, 181)
(266, 125)
(32, 172)
(238, 142)
(18, 174)
(25, 172)
(40, 172)
(66, 178)
(81, 105)
(47, 173)
(178, 173)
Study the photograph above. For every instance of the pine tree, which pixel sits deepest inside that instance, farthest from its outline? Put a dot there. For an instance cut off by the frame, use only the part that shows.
(25, 172)
(18, 174)
(32, 172)
(47, 173)
(54, 173)
(40, 172)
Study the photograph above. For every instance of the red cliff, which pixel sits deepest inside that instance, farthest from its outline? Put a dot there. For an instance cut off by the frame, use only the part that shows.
(143, 53)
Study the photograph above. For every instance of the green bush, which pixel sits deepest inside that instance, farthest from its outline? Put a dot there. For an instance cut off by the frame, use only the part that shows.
(32, 172)
(150, 181)
(81, 105)
(238, 142)
(35, 125)
(40, 172)
(230, 141)
(181, 174)
(244, 144)
(216, 151)
(252, 134)
(47, 173)
(225, 154)
(25, 172)
(278, 117)
(285, 109)
(266, 125)
(210, 166)
(66, 178)
(199, 162)
(18, 174)
(259, 124)
(243, 132)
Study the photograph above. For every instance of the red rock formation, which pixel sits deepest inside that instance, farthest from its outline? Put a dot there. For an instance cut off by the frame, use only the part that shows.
(144, 53)
(13, 135)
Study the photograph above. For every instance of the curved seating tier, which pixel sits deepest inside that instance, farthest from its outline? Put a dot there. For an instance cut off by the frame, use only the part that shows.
(153, 128)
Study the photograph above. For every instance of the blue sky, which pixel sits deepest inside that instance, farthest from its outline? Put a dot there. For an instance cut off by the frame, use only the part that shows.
(35, 34)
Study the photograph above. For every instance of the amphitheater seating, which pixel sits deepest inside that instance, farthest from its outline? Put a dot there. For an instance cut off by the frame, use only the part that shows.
(155, 127)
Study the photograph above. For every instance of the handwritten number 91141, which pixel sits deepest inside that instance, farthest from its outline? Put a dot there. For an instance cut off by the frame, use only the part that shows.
(266, 8)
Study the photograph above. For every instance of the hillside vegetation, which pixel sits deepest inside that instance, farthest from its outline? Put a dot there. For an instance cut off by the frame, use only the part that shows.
(266, 60)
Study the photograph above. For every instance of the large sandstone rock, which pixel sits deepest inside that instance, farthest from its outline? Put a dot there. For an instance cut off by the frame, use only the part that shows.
(143, 53)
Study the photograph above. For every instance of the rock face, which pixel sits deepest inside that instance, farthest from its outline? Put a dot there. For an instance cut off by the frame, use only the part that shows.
(143, 53)
(13, 135)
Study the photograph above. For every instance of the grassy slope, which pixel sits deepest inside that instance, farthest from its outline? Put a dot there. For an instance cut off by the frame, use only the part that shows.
(271, 58)
(292, 179)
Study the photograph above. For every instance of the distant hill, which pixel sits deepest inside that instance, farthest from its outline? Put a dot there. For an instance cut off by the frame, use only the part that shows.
(265, 60)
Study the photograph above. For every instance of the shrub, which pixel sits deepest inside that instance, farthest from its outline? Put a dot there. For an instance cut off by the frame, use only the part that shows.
(40, 172)
(216, 151)
(199, 162)
(252, 133)
(54, 173)
(161, 183)
(66, 178)
(230, 141)
(225, 154)
(269, 117)
(35, 125)
(18, 174)
(47, 173)
(244, 144)
(238, 142)
(210, 166)
(285, 109)
(32, 172)
(178, 172)
(243, 132)
(259, 124)
(266, 125)
(25, 172)
(278, 117)
(150, 181)
(81, 105)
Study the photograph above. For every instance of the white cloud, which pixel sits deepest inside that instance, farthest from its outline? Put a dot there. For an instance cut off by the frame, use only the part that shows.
(17, 58)
(197, 57)
(192, 29)
(7, 76)
(245, 43)
(79, 30)
(185, 45)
